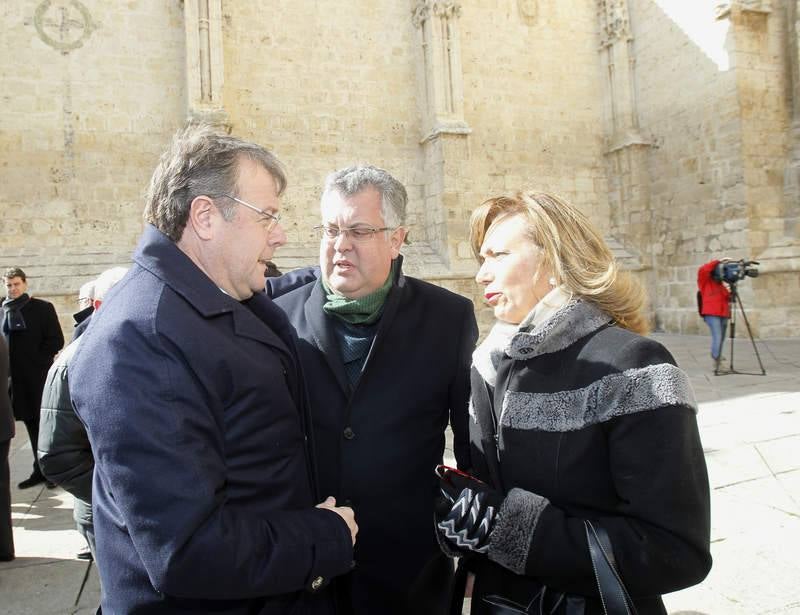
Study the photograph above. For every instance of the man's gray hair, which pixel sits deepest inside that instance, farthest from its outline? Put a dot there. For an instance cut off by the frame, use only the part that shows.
(106, 280)
(201, 161)
(353, 180)
(86, 291)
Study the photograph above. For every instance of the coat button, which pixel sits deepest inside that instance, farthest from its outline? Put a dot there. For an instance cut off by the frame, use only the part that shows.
(317, 583)
(348, 433)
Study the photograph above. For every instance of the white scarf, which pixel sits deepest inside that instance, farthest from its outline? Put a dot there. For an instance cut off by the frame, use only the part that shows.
(489, 352)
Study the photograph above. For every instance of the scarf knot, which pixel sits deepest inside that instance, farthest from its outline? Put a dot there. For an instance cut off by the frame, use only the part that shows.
(13, 320)
(364, 310)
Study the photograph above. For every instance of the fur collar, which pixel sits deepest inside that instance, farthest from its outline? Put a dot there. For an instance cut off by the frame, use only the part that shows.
(567, 325)
(575, 320)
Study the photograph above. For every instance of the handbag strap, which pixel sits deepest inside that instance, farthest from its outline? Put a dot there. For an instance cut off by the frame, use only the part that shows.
(458, 588)
(613, 595)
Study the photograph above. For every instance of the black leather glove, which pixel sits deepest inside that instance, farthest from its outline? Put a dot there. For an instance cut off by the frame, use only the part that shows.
(466, 510)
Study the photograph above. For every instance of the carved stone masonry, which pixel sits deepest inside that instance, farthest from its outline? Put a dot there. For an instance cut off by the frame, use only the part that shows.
(204, 64)
(64, 25)
(528, 10)
(614, 23)
(440, 66)
(723, 8)
(439, 8)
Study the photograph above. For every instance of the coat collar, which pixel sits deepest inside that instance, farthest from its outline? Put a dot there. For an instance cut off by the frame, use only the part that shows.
(321, 324)
(575, 320)
(160, 256)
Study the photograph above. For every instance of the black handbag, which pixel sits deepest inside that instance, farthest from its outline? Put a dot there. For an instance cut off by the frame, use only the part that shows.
(545, 602)
(613, 595)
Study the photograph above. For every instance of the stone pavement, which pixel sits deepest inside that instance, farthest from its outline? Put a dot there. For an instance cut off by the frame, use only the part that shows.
(750, 427)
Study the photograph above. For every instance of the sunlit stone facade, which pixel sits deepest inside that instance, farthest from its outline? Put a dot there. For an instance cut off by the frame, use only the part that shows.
(675, 127)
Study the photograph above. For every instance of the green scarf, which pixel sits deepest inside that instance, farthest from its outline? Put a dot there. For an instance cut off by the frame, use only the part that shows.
(362, 311)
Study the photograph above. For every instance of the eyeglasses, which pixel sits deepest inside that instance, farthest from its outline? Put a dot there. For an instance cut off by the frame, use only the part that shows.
(270, 219)
(356, 233)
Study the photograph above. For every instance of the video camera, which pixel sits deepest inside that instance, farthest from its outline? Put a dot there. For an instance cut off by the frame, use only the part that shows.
(733, 271)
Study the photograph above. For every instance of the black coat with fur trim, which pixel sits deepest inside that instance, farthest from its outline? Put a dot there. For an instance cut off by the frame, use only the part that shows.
(595, 422)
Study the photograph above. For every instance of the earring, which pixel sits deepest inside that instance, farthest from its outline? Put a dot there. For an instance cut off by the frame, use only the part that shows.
(552, 282)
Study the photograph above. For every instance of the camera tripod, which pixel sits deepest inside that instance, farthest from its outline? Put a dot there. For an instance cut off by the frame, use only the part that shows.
(735, 300)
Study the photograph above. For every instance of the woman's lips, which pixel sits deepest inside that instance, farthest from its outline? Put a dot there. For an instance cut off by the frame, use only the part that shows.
(491, 298)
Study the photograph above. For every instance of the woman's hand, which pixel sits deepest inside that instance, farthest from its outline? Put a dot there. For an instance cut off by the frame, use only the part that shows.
(466, 511)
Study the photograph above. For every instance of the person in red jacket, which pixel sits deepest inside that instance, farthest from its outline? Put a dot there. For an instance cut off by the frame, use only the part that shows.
(714, 307)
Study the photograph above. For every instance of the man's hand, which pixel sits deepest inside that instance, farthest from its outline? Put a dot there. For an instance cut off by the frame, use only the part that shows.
(345, 512)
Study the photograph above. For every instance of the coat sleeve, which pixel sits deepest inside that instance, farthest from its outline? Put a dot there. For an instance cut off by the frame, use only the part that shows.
(52, 337)
(65, 455)
(160, 457)
(660, 524)
(279, 286)
(460, 389)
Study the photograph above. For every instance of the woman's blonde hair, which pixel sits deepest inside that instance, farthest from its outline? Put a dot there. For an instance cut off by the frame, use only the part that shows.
(572, 248)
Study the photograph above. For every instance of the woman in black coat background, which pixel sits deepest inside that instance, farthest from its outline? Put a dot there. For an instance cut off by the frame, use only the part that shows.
(575, 416)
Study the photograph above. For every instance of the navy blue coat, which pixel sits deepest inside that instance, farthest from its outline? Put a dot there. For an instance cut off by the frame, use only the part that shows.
(203, 488)
(416, 378)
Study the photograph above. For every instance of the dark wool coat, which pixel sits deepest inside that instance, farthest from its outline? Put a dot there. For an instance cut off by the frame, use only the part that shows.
(203, 491)
(378, 445)
(6, 433)
(31, 351)
(595, 422)
(6, 416)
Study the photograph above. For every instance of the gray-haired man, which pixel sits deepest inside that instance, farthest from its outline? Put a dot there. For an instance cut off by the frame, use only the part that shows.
(189, 385)
(388, 360)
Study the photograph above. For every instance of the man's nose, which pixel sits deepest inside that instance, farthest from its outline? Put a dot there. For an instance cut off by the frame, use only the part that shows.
(343, 241)
(277, 236)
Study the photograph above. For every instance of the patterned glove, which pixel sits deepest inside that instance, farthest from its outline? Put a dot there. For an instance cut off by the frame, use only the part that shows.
(466, 511)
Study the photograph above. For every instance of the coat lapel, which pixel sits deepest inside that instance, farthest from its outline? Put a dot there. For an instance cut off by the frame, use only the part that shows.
(256, 312)
(322, 332)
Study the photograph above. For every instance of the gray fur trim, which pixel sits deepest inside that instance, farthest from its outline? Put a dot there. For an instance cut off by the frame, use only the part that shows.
(634, 390)
(512, 535)
(575, 320)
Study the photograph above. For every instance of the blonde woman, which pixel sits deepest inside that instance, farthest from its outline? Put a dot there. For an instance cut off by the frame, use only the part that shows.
(575, 416)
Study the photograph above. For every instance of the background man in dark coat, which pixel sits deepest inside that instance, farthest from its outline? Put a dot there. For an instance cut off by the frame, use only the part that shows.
(65, 454)
(6, 433)
(387, 358)
(34, 336)
(192, 395)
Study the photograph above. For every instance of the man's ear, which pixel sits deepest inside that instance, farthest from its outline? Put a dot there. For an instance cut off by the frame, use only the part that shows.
(201, 216)
(397, 238)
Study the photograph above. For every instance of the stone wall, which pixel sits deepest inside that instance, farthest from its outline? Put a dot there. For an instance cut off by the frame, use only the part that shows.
(678, 158)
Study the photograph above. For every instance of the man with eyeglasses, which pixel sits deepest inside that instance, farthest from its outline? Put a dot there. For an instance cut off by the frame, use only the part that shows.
(188, 381)
(387, 357)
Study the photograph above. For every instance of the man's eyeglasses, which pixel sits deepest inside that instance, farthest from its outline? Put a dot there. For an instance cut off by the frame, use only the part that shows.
(269, 219)
(356, 233)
